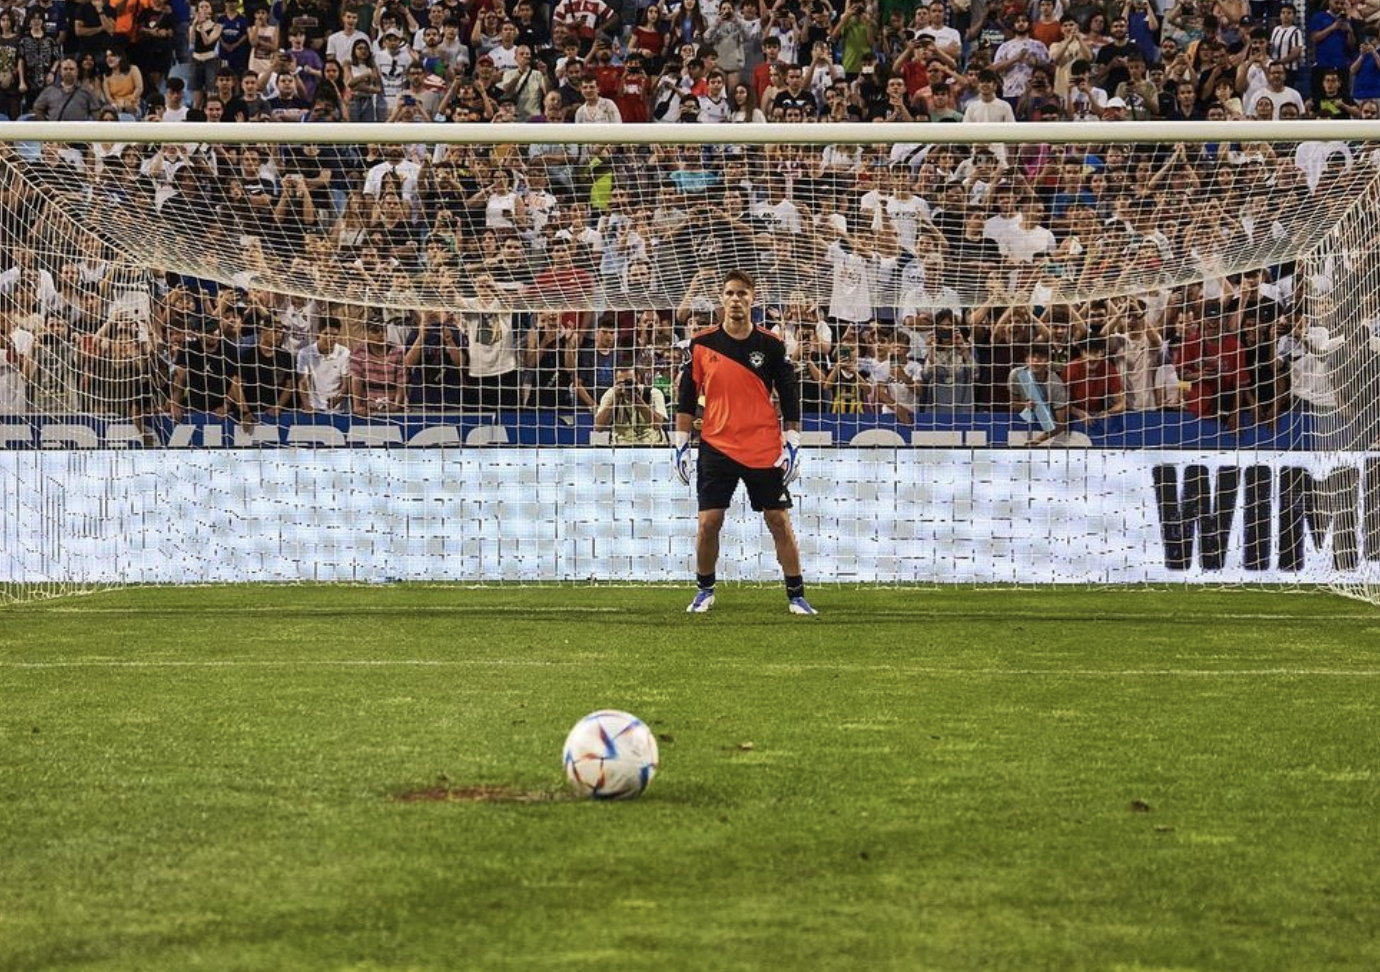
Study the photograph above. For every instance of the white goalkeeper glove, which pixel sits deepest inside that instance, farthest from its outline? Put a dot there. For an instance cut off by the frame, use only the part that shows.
(681, 440)
(790, 457)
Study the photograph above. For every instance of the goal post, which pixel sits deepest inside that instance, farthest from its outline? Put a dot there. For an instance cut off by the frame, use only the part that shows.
(1132, 352)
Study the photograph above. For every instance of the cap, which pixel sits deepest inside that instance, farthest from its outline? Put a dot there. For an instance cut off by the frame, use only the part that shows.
(392, 32)
(485, 59)
(1114, 103)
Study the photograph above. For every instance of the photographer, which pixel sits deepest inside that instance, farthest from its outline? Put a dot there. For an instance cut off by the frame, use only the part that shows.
(856, 31)
(294, 214)
(636, 412)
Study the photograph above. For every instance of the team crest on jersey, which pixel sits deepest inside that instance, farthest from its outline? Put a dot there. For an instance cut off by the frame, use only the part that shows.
(757, 358)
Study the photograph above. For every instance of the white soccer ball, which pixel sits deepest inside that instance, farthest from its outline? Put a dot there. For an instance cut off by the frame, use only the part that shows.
(610, 755)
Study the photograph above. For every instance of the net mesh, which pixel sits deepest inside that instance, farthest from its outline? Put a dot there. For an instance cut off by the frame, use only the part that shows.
(1208, 297)
(634, 227)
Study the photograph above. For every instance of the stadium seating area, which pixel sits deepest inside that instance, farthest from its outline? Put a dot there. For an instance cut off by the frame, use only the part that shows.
(909, 282)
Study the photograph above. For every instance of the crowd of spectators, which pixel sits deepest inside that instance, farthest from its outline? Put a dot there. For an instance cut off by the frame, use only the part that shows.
(686, 61)
(904, 278)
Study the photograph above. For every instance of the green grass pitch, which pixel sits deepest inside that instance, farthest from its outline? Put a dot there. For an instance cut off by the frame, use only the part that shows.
(952, 780)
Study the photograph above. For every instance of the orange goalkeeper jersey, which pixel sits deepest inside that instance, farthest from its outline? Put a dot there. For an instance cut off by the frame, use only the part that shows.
(736, 377)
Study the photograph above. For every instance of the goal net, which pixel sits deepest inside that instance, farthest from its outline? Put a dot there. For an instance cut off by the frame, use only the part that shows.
(1090, 353)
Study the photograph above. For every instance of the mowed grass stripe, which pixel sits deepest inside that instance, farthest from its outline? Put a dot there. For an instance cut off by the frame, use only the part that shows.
(959, 790)
(764, 668)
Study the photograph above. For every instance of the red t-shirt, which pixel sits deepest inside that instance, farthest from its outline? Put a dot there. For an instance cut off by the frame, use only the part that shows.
(761, 78)
(646, 39)
(609, 76)
(916, 75)
(1047, 34)
(631, 98)
(1091, 387)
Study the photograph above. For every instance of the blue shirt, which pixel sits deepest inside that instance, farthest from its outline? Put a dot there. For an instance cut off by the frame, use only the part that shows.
(1365, 84)
(54, 18)
(1138, 29)
(232, 29)
(1331, 50)
(1063, 201)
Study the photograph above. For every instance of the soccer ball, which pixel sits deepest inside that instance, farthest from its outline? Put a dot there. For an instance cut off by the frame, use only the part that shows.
(610, 755)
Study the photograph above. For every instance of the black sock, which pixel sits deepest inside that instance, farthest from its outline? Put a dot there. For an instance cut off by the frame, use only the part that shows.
(795, 586)
(705, 582)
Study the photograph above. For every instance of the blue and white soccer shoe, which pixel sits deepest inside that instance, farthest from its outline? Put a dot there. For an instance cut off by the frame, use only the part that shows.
(704, 600)
(799, 605)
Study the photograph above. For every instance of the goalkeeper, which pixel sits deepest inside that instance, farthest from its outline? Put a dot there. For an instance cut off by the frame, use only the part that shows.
(733, 369)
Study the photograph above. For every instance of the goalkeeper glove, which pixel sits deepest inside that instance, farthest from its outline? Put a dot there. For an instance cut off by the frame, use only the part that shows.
(681, 440)
(790, 457)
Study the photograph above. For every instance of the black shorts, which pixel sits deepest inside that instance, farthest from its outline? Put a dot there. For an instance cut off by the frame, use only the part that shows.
(717, 475)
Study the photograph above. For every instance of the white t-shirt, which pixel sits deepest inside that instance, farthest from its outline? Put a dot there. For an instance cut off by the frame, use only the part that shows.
(297, 323)
(1081, 103)
(1002, 230)
(1255, 81)
(325, 374)
(1277, 98)
(901, 391)
(789, 48)
(1309, 377)
(499, 210)
(917, 301)
(407, 172)
(790, 332)
(393, 71)
(14, 390)
(783, 214)
(490, 342)
(602, 112)
(906, 216)
(712, 111)
(945, 38)
(1017, 76)
(504, 60)
(1024, 244)
(340, 44)
(850, 297)
(996, 110)
(871, 205)
(542, 207)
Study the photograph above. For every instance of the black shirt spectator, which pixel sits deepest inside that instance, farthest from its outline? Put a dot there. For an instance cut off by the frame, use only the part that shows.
(1111, 59)
(91, 28)
(153, 51)
(802, 101)
(316, 20)
(267, 373)
(249, 105)
(207, 370)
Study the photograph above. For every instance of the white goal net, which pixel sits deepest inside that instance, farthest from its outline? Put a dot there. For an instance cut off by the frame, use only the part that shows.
(1053, 353)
